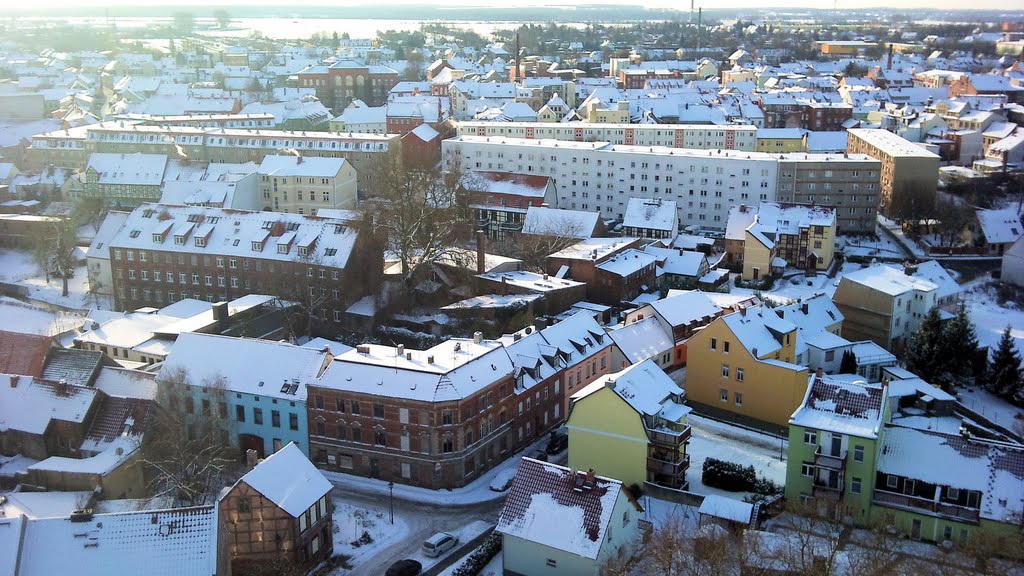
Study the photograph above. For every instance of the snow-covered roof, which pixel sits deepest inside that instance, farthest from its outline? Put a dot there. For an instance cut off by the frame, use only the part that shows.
(532, 281)
(258, 367)
(114, 455)
(686, 307)
(645, 387)
(546, 507)
(892, 144)
(287, 478)
(756, 328)
(643, 339)
(290, 165)
(124, 383)
(817, 312)
(177, 542)
(888, 280)
(234, 232)
(336, 348)
(29, 405)
(650, 214)
(526, 185)
(996, 470)
(128, 169)
(770, 219)
(99, 248)
(678, 262)
(854, 408)
(726, 509)
(556, 222)
(452, 370)
(933, 272)
(1002, 226)
(627, 262)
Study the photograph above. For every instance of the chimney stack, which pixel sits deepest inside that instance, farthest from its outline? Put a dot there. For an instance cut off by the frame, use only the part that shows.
(478, 337)
(804, 307)
(400, 350)
(481, 252)
(220, 316)
(819, 372)
(889, 66)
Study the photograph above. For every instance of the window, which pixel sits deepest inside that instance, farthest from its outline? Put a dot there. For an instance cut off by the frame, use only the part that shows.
(714, 343)
(739, 374)
(723, 395)
(243, 504)
(858, 453)
(275, 418)
(807, 470)
(240, 413)
(552, 563)
(446, 418)
(257, 416)
(339, 405)
(855, 485)
(378, 410)
(725, 346)
(725, 370)
(891, 481)
(810, 437)
(830, 355)
(739, 398)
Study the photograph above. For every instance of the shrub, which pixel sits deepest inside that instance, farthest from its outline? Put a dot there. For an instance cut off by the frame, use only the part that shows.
(728, 476)
(479, 558)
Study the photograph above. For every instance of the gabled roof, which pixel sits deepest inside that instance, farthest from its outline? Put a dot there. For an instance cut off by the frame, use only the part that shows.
(545, 506)
(29, 405)
(23, 354)
(685, 308)
(556, 222)
(288, 479)
(643, 339)
(645, 387)
(758, 329)
(650, 214)
(1001, 226)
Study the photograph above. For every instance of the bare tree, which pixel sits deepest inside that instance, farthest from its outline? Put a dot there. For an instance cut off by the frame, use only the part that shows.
(52, 245)
(533, 249)
(188, 454)
(421, 212)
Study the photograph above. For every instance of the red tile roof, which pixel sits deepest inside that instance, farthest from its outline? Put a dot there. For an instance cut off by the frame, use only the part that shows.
(23, 354)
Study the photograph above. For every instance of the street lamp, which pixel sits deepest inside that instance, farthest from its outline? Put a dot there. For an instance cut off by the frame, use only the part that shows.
(391, 491)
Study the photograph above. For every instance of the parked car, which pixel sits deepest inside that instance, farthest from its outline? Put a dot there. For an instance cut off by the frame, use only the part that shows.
(537, 454)
(503, 480)
(405, 567)
(438, 544)
(557, 442)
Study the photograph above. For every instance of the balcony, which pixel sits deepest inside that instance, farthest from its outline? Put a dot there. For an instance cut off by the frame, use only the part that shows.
(829, 461)
(667, 437)
(666, 465)
(926, 506)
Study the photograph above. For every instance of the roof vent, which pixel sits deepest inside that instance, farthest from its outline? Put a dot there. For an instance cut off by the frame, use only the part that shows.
(430, 359)
(362, 349)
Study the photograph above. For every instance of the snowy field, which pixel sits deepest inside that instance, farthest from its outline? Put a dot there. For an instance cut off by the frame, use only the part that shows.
(21, 317)
(995, 409)
(17, 267)
(713, 439)
(990, 319)
(884, 247)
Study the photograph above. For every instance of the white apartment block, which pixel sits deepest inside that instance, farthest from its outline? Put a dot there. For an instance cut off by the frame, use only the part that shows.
(698, 136)
(602, 177)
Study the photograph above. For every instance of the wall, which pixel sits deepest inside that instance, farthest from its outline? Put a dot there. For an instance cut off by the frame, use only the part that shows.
(606, 434)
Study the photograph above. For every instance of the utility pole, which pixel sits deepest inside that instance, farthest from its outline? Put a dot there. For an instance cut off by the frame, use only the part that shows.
(391, 490)
(700, 17)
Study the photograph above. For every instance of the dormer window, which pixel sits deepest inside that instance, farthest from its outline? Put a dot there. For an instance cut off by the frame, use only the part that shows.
(158, 238)
(257, 246)
(303, 251)
(282, 248)
(179, 239)
(200, 242)
(134, 234)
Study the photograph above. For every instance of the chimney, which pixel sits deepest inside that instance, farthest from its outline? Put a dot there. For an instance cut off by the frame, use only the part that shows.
(517, 337)
(299, 161)
(220, 315)
(540, 323)
(251, 459)
(819, 373)
(589, 483)
(14, 380)
(889, 66)
(909, 269)
(362, 349)
(430, 359)
(743, 310)
(804, 307)
(478, 337)
(400, 350)
(481, 252)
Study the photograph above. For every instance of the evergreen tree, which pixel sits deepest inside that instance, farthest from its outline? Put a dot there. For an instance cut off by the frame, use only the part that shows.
(1004, 372)
(959, 350)
(923, 352)
(848, 365)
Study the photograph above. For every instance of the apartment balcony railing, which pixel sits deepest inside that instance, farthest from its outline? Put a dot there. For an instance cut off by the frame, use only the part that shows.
(666, 466)
(667, 437)
(830, 461)
(918, 504)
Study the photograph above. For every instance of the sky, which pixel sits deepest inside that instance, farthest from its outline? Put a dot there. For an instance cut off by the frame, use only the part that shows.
(680, 4)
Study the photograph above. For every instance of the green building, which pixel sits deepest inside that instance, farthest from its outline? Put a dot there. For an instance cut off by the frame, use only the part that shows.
(896, 454)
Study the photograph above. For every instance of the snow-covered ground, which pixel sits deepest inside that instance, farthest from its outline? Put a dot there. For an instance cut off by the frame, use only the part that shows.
(349, 524)
(713, 439)
(21, 317)
(990, 319)
(995, 409)
(884, 247)
(17, 267)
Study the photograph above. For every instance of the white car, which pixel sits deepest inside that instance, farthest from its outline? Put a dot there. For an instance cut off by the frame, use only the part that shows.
(438, 544)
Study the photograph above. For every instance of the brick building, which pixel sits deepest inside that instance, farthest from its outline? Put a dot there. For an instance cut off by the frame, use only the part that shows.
(167, 253)
(501, 200)
(613, 269)
(340, 83)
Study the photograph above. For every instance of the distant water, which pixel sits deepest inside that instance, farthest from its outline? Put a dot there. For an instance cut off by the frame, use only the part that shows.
(292, 28)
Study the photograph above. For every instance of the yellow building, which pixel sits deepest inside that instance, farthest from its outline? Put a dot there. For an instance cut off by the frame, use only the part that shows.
(597, 112)
(300, 185)
(631, 426)
(774, 236)
(780, 140)
(742, 367)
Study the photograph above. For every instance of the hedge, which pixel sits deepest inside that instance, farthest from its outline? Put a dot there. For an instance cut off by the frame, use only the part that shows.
(479, 558)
